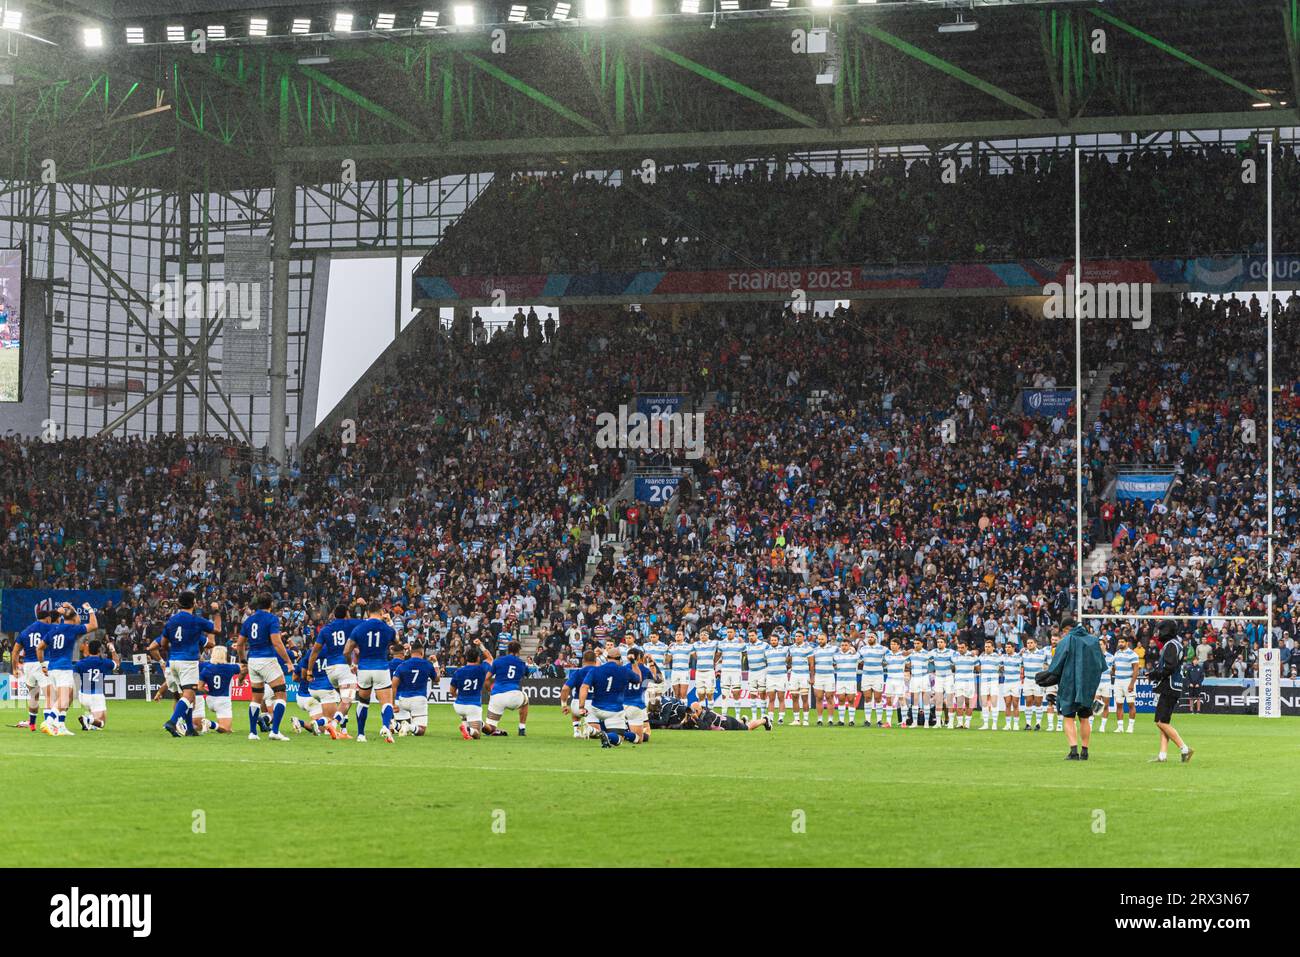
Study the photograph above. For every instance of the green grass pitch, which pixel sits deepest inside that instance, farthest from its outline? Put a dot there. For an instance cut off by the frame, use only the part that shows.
(794, 797)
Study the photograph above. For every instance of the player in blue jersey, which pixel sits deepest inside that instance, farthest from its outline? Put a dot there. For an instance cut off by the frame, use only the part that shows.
(411, 683)
(29, 653)
(61, 641)
(634, 703)
(1125, 684)
(602, 693)
(215, 677)
(90, 670)
(316, 695)
(369, 645)
(467, 684)
(185, 636)
(505, 689)
(569, 696)
(331, 640)
(260, 645)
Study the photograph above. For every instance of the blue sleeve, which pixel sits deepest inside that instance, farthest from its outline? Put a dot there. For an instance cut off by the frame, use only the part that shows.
(81, 666)
(243, 628)
(207, 625)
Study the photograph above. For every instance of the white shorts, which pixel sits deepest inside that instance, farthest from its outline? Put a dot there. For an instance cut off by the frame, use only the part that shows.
(777, 681)
(964, 689)
(1034, 690)
(895, 687)
(374, 679)
(731, 679)
(326, 695)
(846, 686)
(798, 682)
(876, 683)
(34, 675)
(341, 676)
(993, 690)
(757, 682)
(635, 714)
(705, 681)
(93, 702)
(1011, 689)
(220, 705)
(418, 705)
(612, 719)
(1124, 694)
(1103, 692)
(919, 685)
(824, 683)
(680, 678)
(943, 685)
(470, 713)
(181, 674)
(506, 700)
(265, 671)
(309, 703)
(63, 679)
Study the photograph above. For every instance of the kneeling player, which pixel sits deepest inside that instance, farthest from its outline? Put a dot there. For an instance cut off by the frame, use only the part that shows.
(215, 677)
(634, 706)
(91, 670)
(505, 693)
(467, 683)
(569, 696)
(605, 686)
(411, 689)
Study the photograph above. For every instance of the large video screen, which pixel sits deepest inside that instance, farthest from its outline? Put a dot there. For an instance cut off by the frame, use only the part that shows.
(11, 338)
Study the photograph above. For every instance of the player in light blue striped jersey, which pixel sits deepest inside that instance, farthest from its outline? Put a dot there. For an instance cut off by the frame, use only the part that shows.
(895, 664)
(963, 682)
(1126, 662)
(756, 671)
(1012, 675)
(778, 675)
(679, 666)
(800, 655)
(873, 680)
(918, 684)
(731, 651)
(943, 680)
(1034, 660)
(846, 663)
(823, 678)
(1104, 689)
(990, 672)
(705, 647)
(658, 653)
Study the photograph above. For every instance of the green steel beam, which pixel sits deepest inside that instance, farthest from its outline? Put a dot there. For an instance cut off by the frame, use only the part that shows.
(519, 86)
(950, 69)
(726, 82)
(1187, 58)
(1291, 27)
(349, 94)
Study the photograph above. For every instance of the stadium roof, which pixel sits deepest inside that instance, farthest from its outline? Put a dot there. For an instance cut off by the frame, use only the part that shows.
(712, 85)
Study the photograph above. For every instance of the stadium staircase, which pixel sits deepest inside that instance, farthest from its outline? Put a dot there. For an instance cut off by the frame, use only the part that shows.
(1097, 387)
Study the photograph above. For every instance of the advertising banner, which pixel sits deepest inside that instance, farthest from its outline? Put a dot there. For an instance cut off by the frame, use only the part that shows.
(1142, 486)
(1270, 683)
(19, 606)
(656, 489)
(1047, 403)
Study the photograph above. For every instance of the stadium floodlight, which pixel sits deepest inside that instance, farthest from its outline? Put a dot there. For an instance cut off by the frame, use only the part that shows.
(301, 25)
(429, 19)
(561, 11)
(13, 20)
(518, 13)
(821, 3)
(135, 35)
(175, 33)
(257, 26)
(92, 38)
(961, 26)
(385, 21)
(463, 14)
(216, 31)
(641, 8)
(342, 23)
(594, 10)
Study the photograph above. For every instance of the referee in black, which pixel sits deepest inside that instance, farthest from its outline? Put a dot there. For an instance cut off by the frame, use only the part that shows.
(1168, 676)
